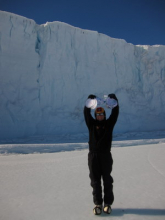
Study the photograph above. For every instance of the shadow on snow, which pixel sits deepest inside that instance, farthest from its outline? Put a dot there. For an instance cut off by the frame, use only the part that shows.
(138, 211)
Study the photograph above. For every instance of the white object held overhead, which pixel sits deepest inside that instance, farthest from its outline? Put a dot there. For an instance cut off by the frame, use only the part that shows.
(111, 103)
(100, 101)
(91, 103)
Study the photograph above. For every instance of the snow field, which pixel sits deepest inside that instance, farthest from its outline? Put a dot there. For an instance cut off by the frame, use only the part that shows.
(57, 186)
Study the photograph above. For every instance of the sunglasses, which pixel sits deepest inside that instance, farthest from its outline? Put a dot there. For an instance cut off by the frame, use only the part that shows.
(99, 114)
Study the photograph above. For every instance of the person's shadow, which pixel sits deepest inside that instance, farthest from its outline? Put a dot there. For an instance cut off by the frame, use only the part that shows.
(138, 211)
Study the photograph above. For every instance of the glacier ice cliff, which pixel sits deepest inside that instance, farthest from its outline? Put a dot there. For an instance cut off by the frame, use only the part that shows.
(47, 71)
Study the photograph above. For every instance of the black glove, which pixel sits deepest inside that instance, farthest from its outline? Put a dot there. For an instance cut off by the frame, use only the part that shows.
(91, 97)
(113, 96)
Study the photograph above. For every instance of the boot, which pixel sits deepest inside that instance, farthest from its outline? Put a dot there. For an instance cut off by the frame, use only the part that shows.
(97, 209)
(107, 209)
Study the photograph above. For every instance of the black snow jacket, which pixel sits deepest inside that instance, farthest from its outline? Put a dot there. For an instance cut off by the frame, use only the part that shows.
(100, 132)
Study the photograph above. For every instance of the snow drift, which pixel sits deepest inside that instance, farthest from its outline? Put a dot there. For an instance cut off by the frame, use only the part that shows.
(47, 71)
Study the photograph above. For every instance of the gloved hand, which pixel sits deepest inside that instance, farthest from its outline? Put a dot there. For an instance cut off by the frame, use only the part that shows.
(91, 97)
(91, 102)
(113, 96)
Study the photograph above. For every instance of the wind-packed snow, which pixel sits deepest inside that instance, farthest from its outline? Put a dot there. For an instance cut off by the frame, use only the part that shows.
(47, 71)
(57, 185)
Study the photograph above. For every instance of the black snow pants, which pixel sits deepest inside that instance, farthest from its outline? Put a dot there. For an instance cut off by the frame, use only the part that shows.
(100, 167)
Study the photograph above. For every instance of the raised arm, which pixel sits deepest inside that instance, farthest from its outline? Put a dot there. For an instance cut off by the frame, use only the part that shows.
(87, 111)
(115, 112)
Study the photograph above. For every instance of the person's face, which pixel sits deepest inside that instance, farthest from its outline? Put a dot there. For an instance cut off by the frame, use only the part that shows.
(100, 117)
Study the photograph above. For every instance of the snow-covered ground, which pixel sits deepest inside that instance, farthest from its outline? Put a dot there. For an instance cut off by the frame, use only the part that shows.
(50, 186)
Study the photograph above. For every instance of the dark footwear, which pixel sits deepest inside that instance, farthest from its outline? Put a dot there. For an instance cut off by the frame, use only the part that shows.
(97, 209)
(107, 209)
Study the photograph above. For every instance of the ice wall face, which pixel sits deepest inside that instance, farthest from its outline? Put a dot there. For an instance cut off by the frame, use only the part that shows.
(47, 72)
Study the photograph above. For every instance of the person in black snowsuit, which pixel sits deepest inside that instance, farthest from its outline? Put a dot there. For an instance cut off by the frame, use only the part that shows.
(99, 157)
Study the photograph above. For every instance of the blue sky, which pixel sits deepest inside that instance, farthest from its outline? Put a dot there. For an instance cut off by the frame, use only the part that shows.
(136, 21)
